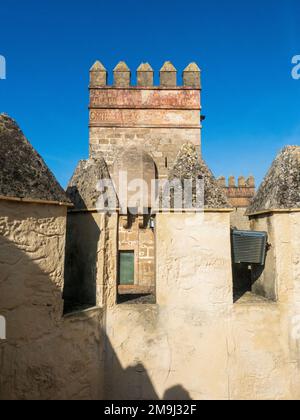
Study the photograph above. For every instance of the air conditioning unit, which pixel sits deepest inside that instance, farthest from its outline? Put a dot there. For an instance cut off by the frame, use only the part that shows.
(249, 247)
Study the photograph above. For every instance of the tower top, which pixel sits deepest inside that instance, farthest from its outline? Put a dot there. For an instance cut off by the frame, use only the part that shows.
(145, 67)
(122, 67)
(168, 67)
(193, 68)
(98, 66)
(191, 76)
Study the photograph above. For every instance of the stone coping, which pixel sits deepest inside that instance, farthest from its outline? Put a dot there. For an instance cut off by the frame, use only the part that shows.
(83, 312)
(272, 211)
(155, 212)
(32, 201)
(135, 290)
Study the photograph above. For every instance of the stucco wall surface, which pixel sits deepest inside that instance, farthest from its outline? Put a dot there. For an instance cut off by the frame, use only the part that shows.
(195, 343)
(45, 355)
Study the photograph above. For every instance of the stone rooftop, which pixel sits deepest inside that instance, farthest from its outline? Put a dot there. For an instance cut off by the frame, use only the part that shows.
(188, 165)
(23, 173)
(281, 187)
(82, 188)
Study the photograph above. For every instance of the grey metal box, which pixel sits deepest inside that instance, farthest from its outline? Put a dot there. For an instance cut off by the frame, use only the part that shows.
(249, 247)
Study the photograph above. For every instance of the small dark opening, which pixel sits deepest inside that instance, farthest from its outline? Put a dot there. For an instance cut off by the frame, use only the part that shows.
(242, 280)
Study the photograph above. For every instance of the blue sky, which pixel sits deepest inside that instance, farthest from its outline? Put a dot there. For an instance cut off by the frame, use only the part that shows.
(251, 102)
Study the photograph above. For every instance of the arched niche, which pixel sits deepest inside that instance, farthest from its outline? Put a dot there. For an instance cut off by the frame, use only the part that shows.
(134, 174)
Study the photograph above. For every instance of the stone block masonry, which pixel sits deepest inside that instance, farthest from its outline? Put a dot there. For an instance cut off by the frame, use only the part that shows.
(142, 243)
(159, 119)
(239, 194)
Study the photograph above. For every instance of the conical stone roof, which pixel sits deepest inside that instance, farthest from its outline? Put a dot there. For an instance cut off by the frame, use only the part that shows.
(281, 187)
(23, 172)
(188, 165)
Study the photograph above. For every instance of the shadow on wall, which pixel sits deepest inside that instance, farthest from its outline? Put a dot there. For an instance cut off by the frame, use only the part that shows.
(177, 393)
(242, 281)
(48, 357)
(80, 287)
(245, 279)
(133, 383)
(45, 356)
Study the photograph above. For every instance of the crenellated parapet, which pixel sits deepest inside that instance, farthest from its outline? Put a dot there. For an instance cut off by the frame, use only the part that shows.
(98, 75)
(159, 119)
(145, 75)
(239, 192)
(242, 182)
(192, 76)
(168, 76)
(145, 105)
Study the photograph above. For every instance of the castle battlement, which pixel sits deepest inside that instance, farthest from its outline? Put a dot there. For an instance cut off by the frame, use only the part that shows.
(157, 119)
(239, 192)
(168, 76)
(242, 182)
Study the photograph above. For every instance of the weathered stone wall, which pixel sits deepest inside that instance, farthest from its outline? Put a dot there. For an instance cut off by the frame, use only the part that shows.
(64, 364)
(239, 195)
(140, 239)
(158, 119)
(162, 145)
(239, 220)
(84, 260)
(45, 355)
(177, 348)
(265, 279)
(195, 343)
(262, 365)
(92, 245)
(266, 361)
(277, 280)
(266, 322)
(91, 259)
(32, 260)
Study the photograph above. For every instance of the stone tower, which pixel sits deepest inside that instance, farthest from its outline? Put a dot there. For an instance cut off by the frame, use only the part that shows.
(155, 119)
(136, 133)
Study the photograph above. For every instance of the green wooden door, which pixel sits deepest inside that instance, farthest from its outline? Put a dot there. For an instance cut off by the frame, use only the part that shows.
(126, 268)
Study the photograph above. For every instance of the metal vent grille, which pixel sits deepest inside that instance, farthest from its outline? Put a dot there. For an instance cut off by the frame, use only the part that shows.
(249, 247)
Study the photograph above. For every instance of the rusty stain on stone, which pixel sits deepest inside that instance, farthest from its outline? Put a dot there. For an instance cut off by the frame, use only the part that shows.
(139, 98)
